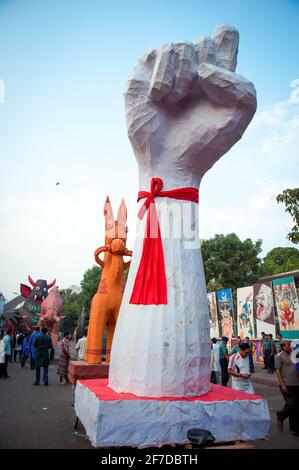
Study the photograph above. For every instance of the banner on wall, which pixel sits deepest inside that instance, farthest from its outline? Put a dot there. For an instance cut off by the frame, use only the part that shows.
(245, 321)
(225, 312)
(263, 308)
(295, 351)
(287, 307)
(258, 355)
(212, 303)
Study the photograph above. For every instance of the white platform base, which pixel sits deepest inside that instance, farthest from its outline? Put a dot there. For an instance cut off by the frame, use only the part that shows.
(119, 420)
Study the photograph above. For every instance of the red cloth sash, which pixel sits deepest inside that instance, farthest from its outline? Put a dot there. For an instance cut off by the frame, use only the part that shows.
(150, 282)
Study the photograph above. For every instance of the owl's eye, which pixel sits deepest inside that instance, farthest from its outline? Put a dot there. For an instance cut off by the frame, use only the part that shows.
(37, 288)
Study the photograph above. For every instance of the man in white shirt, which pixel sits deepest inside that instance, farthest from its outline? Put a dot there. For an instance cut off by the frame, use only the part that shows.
(215, 364)
(239, 369)
(81, 346)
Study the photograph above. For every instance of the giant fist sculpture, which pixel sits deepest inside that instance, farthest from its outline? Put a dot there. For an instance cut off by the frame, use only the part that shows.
(185, 108)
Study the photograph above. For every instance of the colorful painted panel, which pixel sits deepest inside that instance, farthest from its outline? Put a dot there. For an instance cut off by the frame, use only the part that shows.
(263, 308)
(287, 306)
(226, 312)
(258, 354)
(212, 303)
(295, 351)
(245, 320)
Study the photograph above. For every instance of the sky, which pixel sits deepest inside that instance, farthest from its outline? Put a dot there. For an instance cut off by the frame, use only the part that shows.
(63, 69)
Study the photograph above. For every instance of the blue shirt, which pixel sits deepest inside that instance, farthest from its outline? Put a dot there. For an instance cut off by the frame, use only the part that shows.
(26, 346)
(32, 339)
(7, 345)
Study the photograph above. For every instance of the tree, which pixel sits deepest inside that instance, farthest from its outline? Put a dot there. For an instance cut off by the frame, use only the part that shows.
(212, 286)
(73, 303)
(280, 260)
(72, 306)
(89, 285)
(229, 262)
(291, 199)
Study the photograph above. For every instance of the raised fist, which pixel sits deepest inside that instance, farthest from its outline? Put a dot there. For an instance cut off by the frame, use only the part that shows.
(186, 107)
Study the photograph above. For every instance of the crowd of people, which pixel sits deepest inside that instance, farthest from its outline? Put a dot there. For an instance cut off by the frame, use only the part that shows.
(270, 348)
(238, 361)
(38, 349)
(238, 364)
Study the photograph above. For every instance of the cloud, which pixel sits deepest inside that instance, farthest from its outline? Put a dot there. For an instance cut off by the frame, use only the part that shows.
(294, 97)
(280, 112)
(239, 194)
(276, 133)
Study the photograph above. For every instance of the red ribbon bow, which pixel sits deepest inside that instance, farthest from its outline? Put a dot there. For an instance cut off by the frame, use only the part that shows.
(150, 282)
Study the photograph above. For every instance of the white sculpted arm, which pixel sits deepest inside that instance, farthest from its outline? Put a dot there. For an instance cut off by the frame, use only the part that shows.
(185, 108)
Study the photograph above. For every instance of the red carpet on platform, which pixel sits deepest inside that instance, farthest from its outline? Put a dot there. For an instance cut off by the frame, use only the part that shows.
(218, 393)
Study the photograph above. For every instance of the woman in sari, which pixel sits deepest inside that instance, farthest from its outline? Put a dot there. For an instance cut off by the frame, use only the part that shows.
(64, 359)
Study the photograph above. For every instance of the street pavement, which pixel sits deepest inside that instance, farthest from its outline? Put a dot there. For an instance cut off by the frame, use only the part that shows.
(41, 417)
(266, 385)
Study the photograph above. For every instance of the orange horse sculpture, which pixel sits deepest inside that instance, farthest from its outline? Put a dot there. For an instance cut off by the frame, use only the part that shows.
(106, 302)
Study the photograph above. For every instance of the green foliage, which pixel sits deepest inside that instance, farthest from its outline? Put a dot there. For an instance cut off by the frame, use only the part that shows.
(212, 286)
(290, 197)
(89, 285)
(72, 306)
(280, 260)
(229, 262)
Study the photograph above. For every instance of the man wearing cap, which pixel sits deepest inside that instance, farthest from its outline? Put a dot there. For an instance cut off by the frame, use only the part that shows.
(223, 359)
